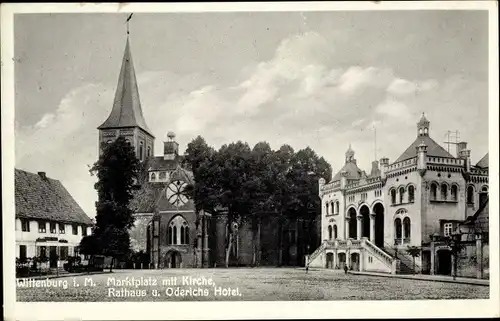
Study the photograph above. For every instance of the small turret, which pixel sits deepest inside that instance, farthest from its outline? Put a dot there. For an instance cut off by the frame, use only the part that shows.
(384, 162)
(170, 147)
(422, 156)
(349, 155)
(343, 179)
(423, 126)
(321, 183)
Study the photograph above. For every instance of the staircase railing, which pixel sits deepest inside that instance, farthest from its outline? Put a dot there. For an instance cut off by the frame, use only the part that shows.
(315, 254)
(387, 258)
(401, 255)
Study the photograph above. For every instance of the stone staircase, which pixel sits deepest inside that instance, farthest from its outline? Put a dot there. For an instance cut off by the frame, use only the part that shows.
(405, 261)
(395, 261)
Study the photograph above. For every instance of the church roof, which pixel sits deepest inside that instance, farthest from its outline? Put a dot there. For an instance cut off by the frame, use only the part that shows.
(353, 171)
(484, 162)
(433, 149)
(127, 111)
(40, 197)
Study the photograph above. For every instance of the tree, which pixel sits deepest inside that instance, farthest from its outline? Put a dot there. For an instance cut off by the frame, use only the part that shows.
(414, 252)
(117, 243)
(118, 172)
(251, 182)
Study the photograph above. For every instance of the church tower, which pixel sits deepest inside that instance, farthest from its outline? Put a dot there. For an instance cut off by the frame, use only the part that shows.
(126, 118)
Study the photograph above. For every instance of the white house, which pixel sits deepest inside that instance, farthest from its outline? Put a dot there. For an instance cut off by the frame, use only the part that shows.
(49, 221)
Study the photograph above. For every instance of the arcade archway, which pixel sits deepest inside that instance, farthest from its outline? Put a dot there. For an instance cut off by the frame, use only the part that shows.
(353, 233)
(378, 209)
(365, 221)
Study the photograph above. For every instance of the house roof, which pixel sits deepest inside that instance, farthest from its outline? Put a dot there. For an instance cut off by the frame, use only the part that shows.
(45, 198)
(127, 111)
(352, 169)
(152, 195)
(433, 149)
(159, 163)
(484, 162)
(483, 210)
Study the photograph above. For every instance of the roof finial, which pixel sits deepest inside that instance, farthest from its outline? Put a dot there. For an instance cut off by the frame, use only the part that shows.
(128, 19)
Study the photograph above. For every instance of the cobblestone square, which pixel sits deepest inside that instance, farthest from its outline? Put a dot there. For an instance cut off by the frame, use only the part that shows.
(243, 284)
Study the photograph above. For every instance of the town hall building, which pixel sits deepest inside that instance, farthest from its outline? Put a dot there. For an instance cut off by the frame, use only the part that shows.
(421, 199)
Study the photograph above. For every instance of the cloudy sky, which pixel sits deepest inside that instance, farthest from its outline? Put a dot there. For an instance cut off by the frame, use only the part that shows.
(318, 79)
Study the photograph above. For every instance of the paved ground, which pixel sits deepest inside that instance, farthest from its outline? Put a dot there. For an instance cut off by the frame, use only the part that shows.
(245, 284)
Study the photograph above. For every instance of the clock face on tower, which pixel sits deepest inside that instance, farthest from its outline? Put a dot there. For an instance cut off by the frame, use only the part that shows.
(175, 193)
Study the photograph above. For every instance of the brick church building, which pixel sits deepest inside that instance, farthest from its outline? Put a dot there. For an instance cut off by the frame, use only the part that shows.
(167, 225)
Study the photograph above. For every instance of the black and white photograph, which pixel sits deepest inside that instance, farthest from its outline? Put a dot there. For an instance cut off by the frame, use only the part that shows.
(282, 153)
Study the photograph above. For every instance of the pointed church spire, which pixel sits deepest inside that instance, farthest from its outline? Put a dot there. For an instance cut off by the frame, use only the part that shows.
(127, 111)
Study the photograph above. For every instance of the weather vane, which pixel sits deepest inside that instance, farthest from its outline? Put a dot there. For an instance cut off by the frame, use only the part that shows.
(128, 19)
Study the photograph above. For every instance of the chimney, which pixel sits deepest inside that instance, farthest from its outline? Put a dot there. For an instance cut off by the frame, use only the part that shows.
(170, 147)
(461, 147)
(42, 175)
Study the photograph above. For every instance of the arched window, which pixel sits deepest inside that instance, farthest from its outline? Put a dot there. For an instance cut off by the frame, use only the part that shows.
(401, 194)
(444, 192)
(335, 232)
(337, 207)
(330, 232)
(327, 208)
(393, 196)
(141, 151)
(178, 231)
(433, 191)
(149, 151)
(163, 175)
(483, 196)
(186, 232)
(411, 194)
(407, 228)
(170, 235)
(153, 177)
(470, 195)
(397, 229)
(454, 192)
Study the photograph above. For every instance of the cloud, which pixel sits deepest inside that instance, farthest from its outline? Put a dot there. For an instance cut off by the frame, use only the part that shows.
(299, 96)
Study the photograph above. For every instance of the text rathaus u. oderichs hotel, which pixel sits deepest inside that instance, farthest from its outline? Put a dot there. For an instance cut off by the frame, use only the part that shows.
(421, 199)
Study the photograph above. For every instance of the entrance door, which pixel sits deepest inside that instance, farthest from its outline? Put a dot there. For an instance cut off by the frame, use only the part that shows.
(444, 262)
(355, 261)
(341, 260)
(53, 256)
(174, 260)
(329, 260)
